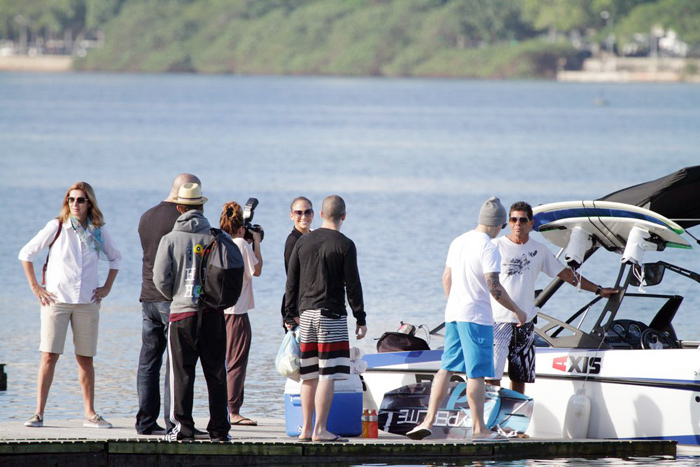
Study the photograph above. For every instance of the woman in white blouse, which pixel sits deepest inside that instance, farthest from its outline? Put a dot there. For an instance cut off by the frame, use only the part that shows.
(77, 239)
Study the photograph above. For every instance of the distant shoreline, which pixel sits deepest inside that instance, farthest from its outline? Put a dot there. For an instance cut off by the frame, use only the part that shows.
(635, 69)
(39, 63)
(593, 71)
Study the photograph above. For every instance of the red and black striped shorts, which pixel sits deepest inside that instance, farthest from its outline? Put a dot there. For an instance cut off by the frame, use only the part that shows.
(325, 350)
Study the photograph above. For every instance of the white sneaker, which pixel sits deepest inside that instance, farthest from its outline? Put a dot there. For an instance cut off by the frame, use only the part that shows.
(35, 422)
(96, 422)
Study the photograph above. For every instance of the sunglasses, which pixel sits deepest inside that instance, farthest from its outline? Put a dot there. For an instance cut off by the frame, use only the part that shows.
(79, 200)
(522, 220)
(308, 212)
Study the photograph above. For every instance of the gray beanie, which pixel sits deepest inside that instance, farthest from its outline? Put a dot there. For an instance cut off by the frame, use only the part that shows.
(492, 213)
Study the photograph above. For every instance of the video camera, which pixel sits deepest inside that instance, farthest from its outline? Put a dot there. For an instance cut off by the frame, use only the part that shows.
(248, 212)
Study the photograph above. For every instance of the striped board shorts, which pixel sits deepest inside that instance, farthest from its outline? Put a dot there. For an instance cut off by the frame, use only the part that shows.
(515, 345)
(325, 347)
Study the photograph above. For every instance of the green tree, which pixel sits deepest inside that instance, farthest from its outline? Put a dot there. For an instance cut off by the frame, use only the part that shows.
(559, 15)
(683, 16)
(99, 12)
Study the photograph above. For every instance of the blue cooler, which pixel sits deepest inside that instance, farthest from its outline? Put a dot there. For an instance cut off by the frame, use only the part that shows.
(344, 418)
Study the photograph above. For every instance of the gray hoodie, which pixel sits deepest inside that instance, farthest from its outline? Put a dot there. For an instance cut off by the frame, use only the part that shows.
(178, 257)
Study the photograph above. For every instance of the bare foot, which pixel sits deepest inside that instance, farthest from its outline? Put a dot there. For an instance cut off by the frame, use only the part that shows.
(241, 420)
(323, 435)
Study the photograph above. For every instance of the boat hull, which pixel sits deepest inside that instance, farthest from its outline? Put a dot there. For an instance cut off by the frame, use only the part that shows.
(634, 394)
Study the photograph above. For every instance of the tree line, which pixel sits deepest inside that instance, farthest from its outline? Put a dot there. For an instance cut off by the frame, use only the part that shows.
(477, 38)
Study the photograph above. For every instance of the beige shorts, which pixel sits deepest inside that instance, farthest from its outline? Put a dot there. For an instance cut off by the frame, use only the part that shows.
(83, 318)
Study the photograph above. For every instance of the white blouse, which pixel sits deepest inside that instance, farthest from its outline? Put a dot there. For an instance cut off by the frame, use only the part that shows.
(246, 301)
(72, 271)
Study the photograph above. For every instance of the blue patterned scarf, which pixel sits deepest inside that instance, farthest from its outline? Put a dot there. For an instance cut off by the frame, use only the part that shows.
(94, 241)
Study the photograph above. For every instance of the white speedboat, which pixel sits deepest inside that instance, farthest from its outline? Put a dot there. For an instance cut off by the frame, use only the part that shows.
(640, 379)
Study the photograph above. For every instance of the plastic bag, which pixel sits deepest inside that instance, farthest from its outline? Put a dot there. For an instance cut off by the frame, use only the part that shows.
(289, 356)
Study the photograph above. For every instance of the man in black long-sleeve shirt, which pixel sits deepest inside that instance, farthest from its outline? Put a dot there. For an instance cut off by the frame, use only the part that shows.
(323, 266)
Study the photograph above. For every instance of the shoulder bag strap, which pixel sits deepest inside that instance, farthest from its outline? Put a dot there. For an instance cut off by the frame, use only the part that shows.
(46, 264)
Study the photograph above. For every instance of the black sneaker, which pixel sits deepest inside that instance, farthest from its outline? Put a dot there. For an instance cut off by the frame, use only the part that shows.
(221, 439)
(199, 434)
(155, 430)
(173, 437)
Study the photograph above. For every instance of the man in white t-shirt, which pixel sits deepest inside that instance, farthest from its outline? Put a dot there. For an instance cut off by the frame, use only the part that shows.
(522, 260)
(470, 278)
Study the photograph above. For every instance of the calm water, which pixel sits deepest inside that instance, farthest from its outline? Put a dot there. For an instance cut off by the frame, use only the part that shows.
(414, 160)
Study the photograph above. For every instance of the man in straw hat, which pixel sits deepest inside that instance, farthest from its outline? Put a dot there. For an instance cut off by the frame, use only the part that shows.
(470, 278)
(174, 275)
(155, 309)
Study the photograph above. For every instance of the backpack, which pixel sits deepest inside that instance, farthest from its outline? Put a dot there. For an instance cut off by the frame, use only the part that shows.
(404, 339)
(220, 272)
(400, 342)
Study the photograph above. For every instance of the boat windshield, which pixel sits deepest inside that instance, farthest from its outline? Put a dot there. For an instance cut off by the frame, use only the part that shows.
(636, 307)
(637, 313)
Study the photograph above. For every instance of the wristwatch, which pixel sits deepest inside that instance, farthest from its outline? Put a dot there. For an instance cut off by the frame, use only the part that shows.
(598, 289)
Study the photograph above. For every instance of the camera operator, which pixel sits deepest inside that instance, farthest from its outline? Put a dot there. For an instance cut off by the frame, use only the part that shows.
(250, 228)
(238, 330)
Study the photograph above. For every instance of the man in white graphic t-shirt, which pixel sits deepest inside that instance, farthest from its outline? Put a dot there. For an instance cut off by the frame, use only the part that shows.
(522, 260)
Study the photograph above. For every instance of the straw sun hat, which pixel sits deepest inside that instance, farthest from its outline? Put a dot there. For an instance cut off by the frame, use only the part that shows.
(190, 194)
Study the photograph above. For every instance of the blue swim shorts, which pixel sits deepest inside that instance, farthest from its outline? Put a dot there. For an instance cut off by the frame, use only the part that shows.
(468, 349)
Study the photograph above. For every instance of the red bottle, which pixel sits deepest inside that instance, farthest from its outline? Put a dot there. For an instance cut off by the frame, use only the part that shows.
(373, 424)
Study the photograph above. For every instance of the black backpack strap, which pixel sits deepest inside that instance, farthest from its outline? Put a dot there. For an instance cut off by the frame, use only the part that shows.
(46, 264)
(202, 279)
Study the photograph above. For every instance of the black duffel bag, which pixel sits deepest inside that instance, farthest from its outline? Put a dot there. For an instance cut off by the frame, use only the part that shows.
(400, 342)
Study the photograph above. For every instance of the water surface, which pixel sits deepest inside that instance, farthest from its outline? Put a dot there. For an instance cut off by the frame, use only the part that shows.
(414, 160)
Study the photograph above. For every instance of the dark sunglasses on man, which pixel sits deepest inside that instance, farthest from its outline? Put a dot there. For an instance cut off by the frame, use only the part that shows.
(522, 220)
